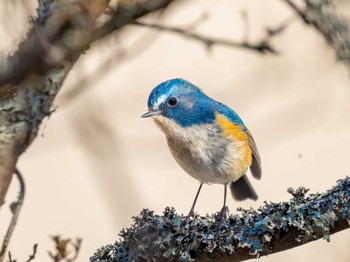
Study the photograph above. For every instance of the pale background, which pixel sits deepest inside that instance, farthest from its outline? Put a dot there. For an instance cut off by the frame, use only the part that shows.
(96, 163)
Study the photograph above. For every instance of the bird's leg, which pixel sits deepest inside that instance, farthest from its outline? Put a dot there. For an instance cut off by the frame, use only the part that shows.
(224, 210)
(191, 213)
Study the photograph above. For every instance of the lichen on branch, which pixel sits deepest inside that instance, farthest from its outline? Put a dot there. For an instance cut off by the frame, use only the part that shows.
(33, 75)
(272, 228)
(323, 16)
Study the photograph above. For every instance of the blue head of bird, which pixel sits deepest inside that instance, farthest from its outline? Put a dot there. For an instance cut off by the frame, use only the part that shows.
(177, 102)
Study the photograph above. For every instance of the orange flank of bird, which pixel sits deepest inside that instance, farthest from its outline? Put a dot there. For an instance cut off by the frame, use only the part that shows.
(236, 132)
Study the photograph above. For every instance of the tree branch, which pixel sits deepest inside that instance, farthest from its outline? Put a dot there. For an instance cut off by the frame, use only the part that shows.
(31, 78)
(274, 227)
(263, 46)
(32, 256)
(15, 209)
(321, 14)
(64, 29)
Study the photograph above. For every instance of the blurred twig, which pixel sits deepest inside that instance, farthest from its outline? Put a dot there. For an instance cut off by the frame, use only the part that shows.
(10, 258)
(62, 32)
(122, 54)
(32, 256)
(84, 82)
(262, 46)
(321, 14)
(64, 249)
(105, 157)
(15, 209)
(298, 10)
(119, 55)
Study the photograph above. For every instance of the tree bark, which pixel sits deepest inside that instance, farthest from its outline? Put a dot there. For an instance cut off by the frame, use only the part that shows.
(322, 15)
(31, 78)
(272, 228)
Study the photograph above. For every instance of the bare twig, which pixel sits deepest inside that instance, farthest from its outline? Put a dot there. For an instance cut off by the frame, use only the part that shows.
(61, 33)
(32, 256)
(64, 248)
(64, 30)
(321, 14)
(120, 55)
(85, 82)
(246, 25)
(298, 10)
(195, 23)
(272, 31)
(10, 257)
(263, 46)
(76, 245)
(15, 209)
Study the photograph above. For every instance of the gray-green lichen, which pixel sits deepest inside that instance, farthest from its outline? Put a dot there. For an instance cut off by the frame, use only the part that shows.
(28, 105)
(251, 233)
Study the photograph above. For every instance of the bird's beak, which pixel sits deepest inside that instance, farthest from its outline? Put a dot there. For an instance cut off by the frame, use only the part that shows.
(151, 113)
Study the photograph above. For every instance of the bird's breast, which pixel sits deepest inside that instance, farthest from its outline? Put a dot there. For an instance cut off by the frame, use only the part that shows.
(211, 153)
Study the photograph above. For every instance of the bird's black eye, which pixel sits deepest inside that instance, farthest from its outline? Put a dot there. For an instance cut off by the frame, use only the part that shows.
(172, 101)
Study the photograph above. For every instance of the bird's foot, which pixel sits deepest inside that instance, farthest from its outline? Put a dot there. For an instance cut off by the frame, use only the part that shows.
(223, 214)
(191, 213)
(188, 217)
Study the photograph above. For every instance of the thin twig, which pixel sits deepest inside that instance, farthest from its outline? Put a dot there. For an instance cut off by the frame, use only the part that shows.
(300, 12)
(76, 245)
(63, 249)
(272, 31)
(120, 55)
(27, 89)
(200, 20)
(32, 256)
(323, 16)
(246, 25)
(15, 209)
(10, 257)
(86, 81)
(262, 46)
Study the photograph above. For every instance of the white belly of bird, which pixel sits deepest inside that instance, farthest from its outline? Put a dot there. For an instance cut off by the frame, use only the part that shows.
(206, 155)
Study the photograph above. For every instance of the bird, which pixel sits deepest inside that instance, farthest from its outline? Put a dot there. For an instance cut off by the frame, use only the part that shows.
(207, 138)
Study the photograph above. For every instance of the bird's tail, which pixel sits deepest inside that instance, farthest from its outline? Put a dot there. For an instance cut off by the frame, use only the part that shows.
(242, 189)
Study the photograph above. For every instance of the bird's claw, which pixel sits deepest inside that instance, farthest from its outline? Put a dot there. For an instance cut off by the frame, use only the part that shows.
(188, 217)
(223, 214)
(191, 214)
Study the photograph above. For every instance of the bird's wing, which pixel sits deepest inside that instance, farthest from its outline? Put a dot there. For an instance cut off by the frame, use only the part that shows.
(255, 168)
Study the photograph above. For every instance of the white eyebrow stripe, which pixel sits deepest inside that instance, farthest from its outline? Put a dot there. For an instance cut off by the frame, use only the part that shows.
(160, 100)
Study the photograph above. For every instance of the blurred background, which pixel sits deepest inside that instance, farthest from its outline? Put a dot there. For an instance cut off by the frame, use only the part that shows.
(96, 163)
